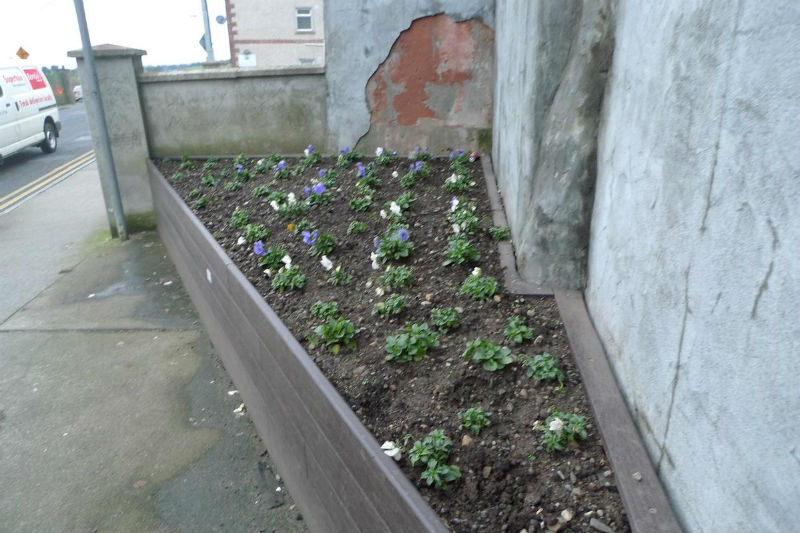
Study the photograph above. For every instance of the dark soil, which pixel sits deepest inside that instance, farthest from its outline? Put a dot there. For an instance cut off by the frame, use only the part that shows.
(508, 480)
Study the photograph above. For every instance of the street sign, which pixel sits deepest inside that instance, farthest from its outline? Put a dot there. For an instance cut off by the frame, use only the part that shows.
(22, 53)
(203, 42)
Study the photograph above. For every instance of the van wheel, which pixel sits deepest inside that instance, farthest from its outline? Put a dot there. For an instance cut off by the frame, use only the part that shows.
(50, 142)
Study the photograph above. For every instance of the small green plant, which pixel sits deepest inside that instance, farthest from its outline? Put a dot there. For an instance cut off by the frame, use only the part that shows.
(325, 310)
(360, 203)
(417, 171)
(464, 217)
(195, 193)
(433, 453)
(411, 343)
(176, 176)
(420, 154)
(339, 277)
(444, 318)
(202, 202)
(210, 163)
(328, 176)
(544, 367)
(272, 257)
(500, 233)
(186, 163)
(383, 157)
(517, 331)
(260, 191)
(474, 419)
(232, 185)
(239, 218)
(240, 159)
(396, 245)
(288, 279)
(318, 194)
(356, 227)
(281, 171)
(278, 197)
(492, 356)
(479, 286)
(323, 245)
(460, 251)
(335, 333)
(405, 200)
(458, 182)
(347, 157)
(310, 156)
(208, 180)
(393, 305)
(256, 232)
(562, 428)
(242, 174)
(398, 277)
(225, 173)
(293, 209)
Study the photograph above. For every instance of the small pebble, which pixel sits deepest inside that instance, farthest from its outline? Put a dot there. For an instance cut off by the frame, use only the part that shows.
(486, 471)
(637, 476)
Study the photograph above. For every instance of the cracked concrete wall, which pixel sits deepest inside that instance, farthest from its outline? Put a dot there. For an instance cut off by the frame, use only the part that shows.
(361, 37)
(552, 61)
(694, 282)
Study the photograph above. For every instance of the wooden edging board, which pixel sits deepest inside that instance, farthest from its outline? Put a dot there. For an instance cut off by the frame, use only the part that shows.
(646, 504)
(332, 465)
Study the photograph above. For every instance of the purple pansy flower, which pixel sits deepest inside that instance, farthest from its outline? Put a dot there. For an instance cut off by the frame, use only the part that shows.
(280, 166)
(376, 242)
(361, 170)
(310, 148)
(344, 150)
(322, 173)
(416, 149)
(307, 191)
(310, 238)
(453, 202)
(319, 188)
(403, 234)
(239, 168)
(258, 248)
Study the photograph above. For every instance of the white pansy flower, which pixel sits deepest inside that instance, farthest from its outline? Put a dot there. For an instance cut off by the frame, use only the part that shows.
(395, 174)
(477, 271)
(456, 229)
(274, 205)
(392, 450)
(286, 260)
(326, 263)
(292, 198)
(452, 179)
(241, 241)
(383, 213)
(268, 273)
(379, 291)
(374, 258)
(378, 151)
(394, 208)
(556, 425)
(306, 152)
(454, 204)
(260, 162)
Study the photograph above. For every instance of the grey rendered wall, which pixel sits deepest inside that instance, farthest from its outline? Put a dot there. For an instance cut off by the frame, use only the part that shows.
(552, 58)
(234, 111)
(360, 35)
(694, 271)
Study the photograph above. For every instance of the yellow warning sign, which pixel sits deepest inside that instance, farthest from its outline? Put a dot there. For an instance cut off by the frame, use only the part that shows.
(22, 53)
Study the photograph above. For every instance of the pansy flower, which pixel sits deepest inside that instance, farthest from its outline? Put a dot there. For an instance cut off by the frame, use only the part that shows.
(403, 234)
(310, 238)
(258, 248)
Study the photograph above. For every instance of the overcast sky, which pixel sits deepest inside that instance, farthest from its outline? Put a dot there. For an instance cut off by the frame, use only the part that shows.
(169, 30)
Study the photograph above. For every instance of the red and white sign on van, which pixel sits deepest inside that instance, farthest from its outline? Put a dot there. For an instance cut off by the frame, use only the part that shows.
(35, 77)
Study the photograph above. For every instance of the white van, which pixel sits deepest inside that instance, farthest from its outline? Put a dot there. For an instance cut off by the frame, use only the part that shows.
(28, 111)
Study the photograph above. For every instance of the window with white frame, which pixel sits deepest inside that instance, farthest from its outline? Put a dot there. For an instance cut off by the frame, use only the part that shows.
(303, 17)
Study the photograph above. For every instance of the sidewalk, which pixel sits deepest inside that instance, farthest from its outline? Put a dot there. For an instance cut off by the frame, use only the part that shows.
(115, 413)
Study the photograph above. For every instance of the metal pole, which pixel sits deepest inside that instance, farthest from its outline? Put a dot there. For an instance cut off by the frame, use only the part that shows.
(207, 36)
(92, 98)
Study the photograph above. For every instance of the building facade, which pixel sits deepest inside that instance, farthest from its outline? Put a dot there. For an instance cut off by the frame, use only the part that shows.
(276, 33)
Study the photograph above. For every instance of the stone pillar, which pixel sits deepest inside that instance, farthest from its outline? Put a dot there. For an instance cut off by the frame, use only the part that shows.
(118, 68)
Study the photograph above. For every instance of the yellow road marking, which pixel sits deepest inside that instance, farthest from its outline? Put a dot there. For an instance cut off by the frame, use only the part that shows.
(38, 183)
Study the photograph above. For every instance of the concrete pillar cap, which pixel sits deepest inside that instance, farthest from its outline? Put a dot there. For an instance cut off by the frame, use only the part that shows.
(108, 50)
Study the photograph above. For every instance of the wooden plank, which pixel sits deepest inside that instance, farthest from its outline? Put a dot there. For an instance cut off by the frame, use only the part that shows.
(646, 503)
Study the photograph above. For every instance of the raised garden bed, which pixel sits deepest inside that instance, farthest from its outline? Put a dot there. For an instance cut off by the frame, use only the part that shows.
(336, 470)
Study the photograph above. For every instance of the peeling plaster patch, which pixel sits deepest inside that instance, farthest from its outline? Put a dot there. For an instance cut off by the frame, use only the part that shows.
(427, 73)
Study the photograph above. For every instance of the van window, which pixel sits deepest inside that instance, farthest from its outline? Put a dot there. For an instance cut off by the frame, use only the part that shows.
(1, 91)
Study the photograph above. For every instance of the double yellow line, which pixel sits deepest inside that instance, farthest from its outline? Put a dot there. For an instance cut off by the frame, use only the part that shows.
(57, 173)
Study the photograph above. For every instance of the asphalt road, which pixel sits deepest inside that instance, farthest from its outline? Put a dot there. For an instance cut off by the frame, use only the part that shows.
(30, 171)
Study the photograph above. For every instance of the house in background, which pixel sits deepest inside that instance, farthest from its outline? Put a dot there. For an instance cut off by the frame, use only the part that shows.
(276, 33)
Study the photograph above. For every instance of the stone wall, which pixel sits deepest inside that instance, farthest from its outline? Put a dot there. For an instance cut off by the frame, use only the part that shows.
(230, 111)
(430, 79)
(694, 278)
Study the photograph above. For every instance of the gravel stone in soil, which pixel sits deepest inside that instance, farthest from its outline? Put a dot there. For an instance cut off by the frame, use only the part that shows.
(509, 482)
